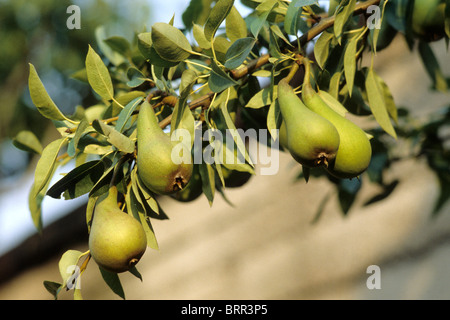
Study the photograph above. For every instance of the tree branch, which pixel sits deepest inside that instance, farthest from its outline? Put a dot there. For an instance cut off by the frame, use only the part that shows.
(236, 74)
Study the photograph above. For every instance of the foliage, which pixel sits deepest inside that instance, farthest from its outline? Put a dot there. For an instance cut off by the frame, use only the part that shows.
(212, 83)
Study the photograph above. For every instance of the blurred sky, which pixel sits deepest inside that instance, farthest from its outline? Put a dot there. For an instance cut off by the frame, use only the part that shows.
(15, 220)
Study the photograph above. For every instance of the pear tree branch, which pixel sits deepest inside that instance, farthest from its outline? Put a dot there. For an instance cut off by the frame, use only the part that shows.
(324, 23)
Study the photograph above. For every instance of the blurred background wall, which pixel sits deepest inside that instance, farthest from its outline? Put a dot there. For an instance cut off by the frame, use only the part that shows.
(268, 245)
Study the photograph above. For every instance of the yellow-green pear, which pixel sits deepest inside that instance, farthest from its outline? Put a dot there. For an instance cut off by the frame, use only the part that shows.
(157, 169)
(193, 189)
(311, 139)
(354, 153)
(117, 240)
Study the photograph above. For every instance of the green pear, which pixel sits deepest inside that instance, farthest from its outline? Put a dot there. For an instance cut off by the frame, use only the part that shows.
(355, 151)
(282, 135)
(193, 189)
(117, 240)
(428, 19)
(311, 139)
(156, 168)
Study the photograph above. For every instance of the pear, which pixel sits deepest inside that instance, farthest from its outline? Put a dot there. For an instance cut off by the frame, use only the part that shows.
(193, 189)
(117, 240)
(311, 139)
(282, 135)
(156, 168)
(355, 151)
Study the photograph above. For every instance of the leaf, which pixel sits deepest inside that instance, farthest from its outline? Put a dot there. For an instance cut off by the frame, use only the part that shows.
(217, 15)
(262, 98)
(333, 103)
(73, 143)
(68, 269)
(343, 13)
(118, 44)
(322, 48)
(78, 181)
(41, 99)
(207, 174)
(182, 117)
(350, 63)
(137, 208)
(125, 114)
(274, 119)
(113, 56)
(53, 287)
(388, 99)
(238, 52)
(136, 77)
(117, 139)
(46, 163)
(219, 80)
(170, 43)
(27, 141)
(347, 192)
(98, 75)
(235, 25)
(263, 10)
(432, 66)
(377, 103)
(199, 36)
(113, 282)
(293, 15)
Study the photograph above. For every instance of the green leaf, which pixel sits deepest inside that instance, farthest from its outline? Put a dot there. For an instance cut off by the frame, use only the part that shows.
(207, 174)
(113, 282)
(46, 163)
(388, 99)
(27, 141)
(262, 98)
(217, 15)
(343, 13)
(274, 119)
(348, 190)
(238, 52)
(350, 63)
(182, 117)
(235, 25)
(41, 99)
(69, 270)
(199, 36)
(136, 77)
(125, 115)
(98, 75)
(138, 206)
(377, 103)
(293, 15)
(432, 66)
(219, 80)
(322, 48)
(118, 44)
(73, 143)
(53, 287)
(170, 43)
(113, 56)
(333, 103)
(78, 181)
(263, 10)
(117, 139)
